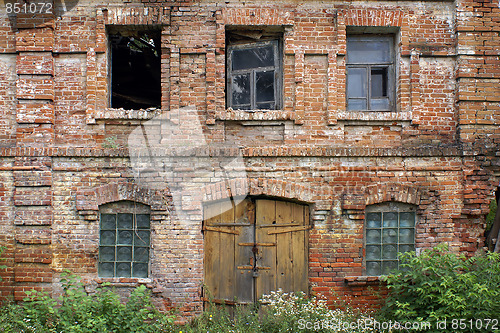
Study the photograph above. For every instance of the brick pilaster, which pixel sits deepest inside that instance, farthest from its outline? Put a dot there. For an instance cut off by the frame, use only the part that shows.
(32, 197)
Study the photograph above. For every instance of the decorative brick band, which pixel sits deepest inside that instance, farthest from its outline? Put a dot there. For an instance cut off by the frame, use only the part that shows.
(285, 151)
(89, 200)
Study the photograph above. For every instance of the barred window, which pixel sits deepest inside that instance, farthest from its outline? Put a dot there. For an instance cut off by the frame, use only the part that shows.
(124, 240)
(389, 229)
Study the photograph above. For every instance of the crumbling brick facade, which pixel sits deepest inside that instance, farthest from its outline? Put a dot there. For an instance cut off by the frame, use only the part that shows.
(64, 149)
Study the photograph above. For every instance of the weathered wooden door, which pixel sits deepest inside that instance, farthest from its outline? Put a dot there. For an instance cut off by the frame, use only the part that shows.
(253, 248)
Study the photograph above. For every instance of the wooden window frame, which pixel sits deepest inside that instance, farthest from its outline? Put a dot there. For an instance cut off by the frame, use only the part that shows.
(368, 66)
(278, 73)
(384, 208)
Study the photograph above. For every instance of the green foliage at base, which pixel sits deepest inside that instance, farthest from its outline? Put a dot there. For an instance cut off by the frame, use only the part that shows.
(76, 311)
(433, 287)
(280, 312)
(439, 285)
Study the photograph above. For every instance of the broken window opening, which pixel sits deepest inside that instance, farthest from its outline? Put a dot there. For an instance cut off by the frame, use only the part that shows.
(254, 68)
(135, 68)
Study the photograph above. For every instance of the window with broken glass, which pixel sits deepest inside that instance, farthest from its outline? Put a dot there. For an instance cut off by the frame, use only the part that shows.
(389, 230)
(253, 78)
(370, 73)
(135, 72)
(124, 243)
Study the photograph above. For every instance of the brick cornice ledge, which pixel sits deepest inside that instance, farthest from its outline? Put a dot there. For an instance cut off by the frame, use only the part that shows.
(279, 151)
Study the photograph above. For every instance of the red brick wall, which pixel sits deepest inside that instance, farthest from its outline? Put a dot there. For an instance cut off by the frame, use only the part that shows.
(63, 151)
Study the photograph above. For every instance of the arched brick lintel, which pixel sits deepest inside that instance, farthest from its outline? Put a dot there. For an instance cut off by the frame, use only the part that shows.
(89, 200)
(259, 186)
(392, 192)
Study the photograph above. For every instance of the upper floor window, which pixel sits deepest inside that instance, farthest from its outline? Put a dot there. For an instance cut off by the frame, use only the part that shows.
(370, 72)
(389, 229)
(254, 67)
(124, 240)
(135, 71)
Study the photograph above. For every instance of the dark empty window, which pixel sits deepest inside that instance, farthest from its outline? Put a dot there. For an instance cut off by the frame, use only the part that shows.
(390, 229)
(370, 72)
(253, 78)
(135, 68)
(124, 243)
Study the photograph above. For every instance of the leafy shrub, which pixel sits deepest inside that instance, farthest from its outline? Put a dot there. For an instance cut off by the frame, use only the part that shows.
(439, 285)
(79, 312)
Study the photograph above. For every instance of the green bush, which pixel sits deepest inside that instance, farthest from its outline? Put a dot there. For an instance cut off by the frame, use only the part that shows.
(439, 285)
(79, 312)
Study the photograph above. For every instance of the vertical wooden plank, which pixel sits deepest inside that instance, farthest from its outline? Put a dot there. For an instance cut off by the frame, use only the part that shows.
(243, 255)
(211, 252)
(284, 269)
(300, 249)
(226, 252)
(266, 280)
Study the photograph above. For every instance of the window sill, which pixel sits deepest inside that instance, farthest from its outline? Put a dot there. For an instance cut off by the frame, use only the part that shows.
(373, 116)
(115, 114)
(123, 282)
(362, 280)
(230, 114)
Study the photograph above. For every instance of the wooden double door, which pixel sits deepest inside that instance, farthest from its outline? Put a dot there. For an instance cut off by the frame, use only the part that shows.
(254, 247)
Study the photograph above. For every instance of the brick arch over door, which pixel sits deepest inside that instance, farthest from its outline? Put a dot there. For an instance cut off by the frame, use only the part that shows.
(89, 200)
(259, 186)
